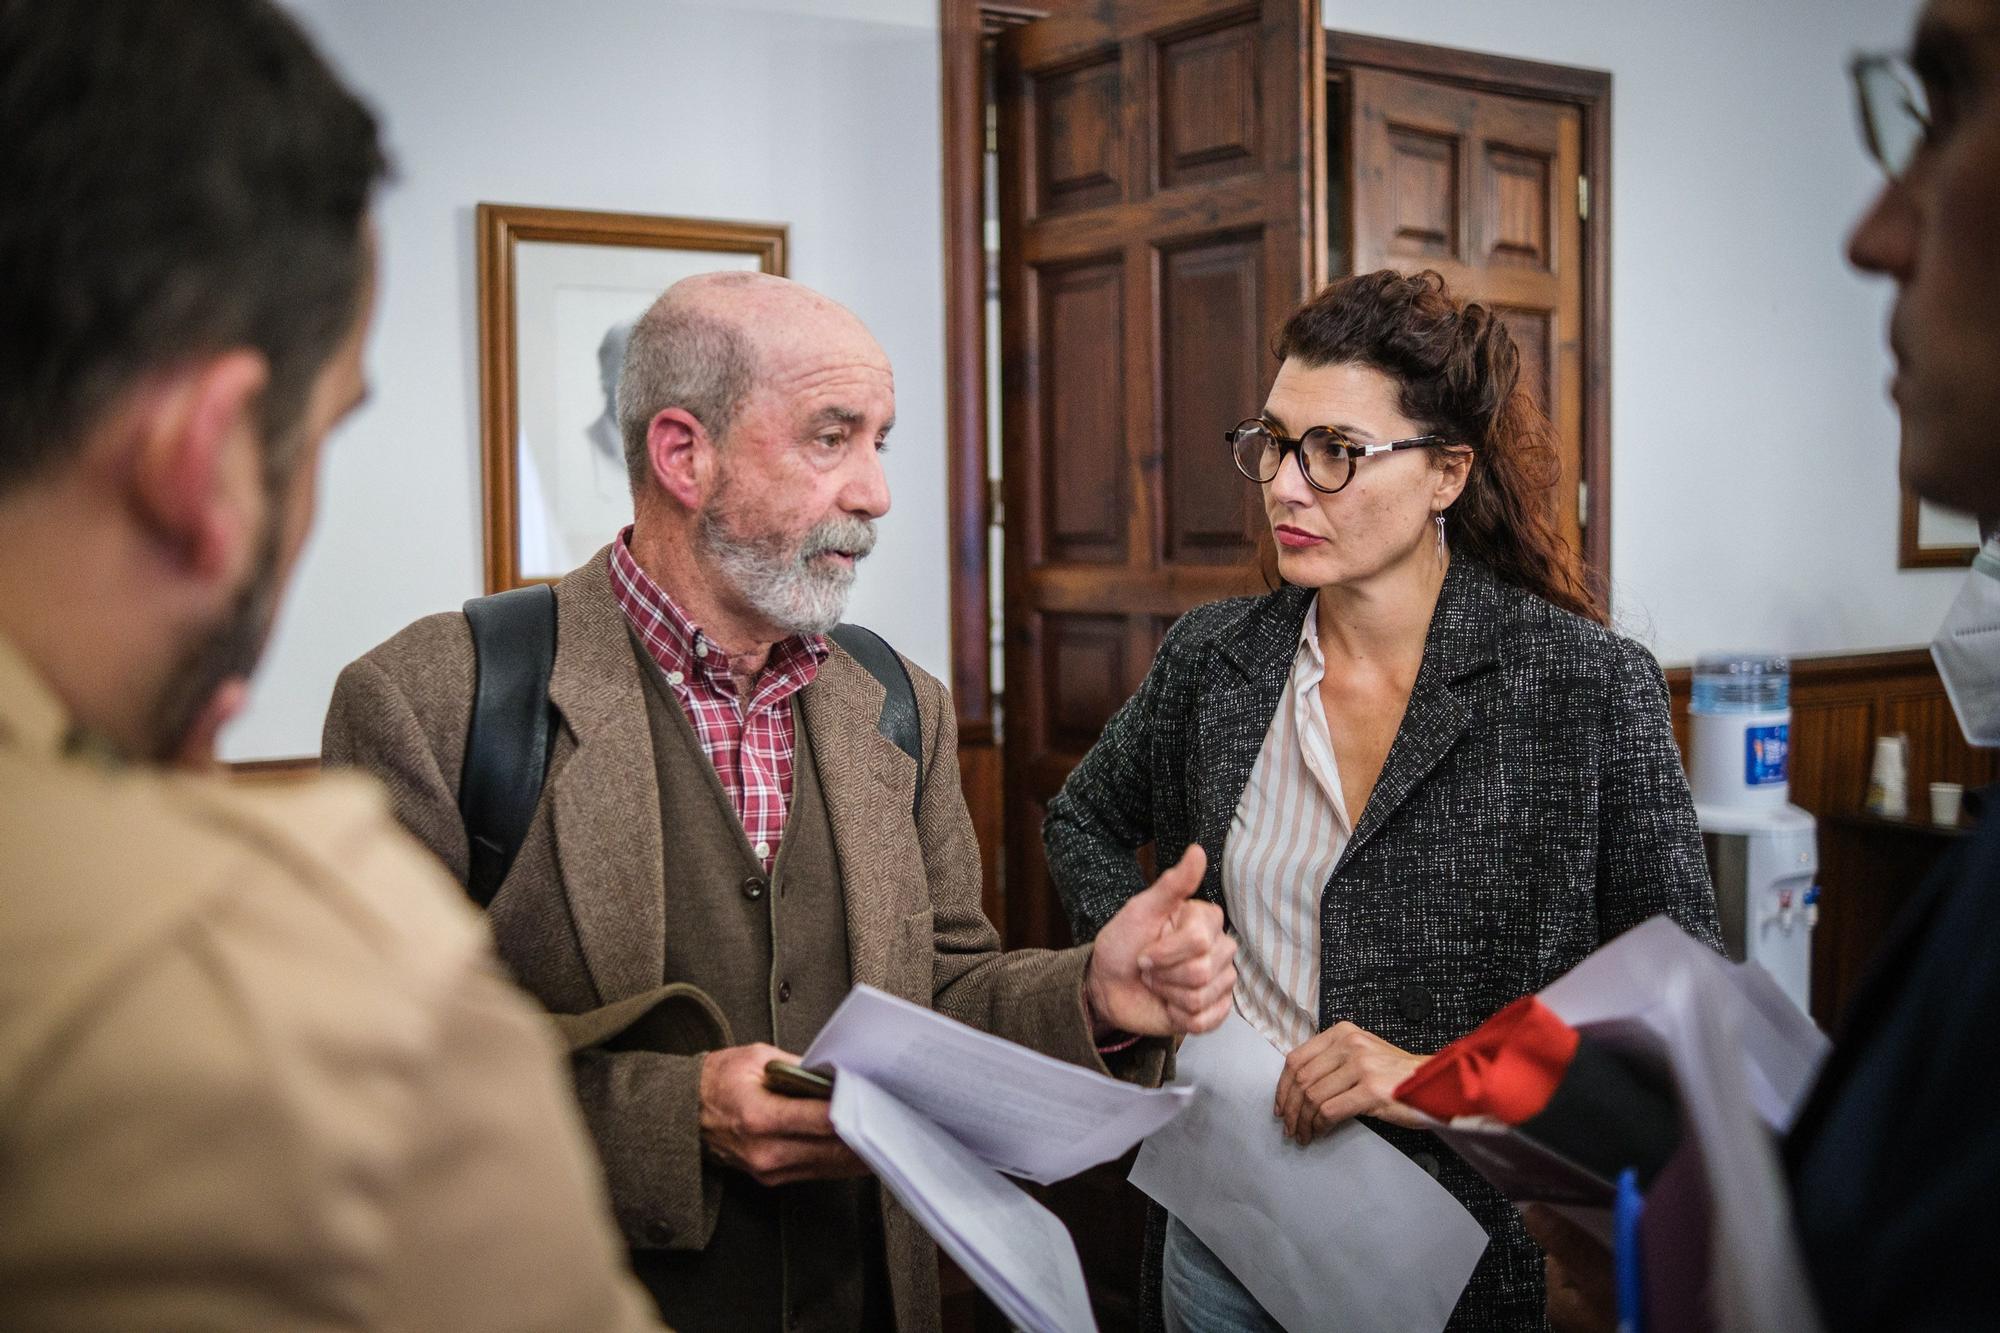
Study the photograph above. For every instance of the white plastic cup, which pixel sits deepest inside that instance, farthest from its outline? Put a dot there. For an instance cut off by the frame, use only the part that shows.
(1947, 798)
(1888, 780)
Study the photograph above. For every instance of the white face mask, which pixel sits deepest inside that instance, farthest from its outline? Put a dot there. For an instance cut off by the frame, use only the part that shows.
(1967, 650)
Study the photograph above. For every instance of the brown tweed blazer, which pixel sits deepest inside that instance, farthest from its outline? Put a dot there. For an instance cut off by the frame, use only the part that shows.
(580, 917)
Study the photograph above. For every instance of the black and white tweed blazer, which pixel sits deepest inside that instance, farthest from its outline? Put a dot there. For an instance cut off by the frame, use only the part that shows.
(1532, 807)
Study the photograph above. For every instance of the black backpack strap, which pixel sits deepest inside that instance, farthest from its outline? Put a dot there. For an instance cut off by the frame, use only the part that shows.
(900, 721)
(507, 747)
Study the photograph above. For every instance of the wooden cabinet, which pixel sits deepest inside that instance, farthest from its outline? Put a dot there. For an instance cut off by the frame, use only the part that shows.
(1869, 868)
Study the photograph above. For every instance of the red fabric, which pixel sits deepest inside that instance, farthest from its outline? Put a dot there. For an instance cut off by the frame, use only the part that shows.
(1507, 1068)
(752, 745)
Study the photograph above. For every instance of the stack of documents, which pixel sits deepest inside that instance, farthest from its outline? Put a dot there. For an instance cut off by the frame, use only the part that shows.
(1740, 1058)
(939, 1110)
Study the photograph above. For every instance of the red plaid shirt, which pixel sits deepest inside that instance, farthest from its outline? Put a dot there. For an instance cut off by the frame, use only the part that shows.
(751, 745)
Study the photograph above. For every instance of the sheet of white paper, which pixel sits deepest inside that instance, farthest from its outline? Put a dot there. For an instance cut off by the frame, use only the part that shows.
(1347, 1233)
(1757, 1277)
(1018, 1110)
(1015, 1249)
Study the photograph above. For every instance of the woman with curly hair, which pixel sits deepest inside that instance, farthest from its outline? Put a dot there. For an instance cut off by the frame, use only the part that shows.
(1427, 777)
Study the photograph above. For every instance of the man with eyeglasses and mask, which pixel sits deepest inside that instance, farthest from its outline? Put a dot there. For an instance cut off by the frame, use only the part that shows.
(1894, 1161)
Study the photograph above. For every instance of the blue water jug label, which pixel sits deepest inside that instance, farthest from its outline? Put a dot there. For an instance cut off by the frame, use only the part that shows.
(1764, 753)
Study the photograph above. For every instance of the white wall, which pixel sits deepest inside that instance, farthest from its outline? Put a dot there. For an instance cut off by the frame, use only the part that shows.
(818, 113)
(1753, 447)
(1754, 493)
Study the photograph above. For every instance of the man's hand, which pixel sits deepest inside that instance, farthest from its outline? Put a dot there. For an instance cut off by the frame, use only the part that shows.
(1341, 1073)
(1163, 965)
(773, 1139)
(1583, 1293)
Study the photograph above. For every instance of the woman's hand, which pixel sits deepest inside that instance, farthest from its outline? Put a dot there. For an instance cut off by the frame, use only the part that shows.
(1341, 1073)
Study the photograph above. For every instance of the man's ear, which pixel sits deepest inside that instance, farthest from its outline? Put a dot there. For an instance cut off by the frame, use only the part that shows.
(197, 472)
(682, 456)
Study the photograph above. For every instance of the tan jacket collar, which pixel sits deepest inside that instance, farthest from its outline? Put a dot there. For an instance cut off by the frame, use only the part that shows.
(604, 802)
(868, 785)
(32, 718)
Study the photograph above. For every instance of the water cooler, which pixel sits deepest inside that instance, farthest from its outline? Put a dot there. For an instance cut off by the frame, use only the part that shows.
(1762, 853)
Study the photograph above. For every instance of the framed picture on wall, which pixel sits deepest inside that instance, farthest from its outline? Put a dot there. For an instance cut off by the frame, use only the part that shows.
(559, 291)
(1932, 538)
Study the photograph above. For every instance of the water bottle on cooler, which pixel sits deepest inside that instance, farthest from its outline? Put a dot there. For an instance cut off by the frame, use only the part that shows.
(1740, 723)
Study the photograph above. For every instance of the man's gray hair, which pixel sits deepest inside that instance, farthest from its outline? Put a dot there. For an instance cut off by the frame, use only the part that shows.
(684, 356)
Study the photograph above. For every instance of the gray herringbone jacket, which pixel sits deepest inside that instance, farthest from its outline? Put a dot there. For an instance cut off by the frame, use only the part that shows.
(1531, 808)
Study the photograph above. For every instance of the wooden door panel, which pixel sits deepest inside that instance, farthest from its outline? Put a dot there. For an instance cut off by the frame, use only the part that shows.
(1210, 291)
(1087, 30)
(1482, 187)
(1026, 860)
(1516, 193)
(1184, 214)
(1084, 503)
(1421, 194)
(1409, 170)
(1439, 172)
(1208, 127)
(1080, 158)
(1166, 591)
(1490, 286)
(1085, 656)
(1531, 332)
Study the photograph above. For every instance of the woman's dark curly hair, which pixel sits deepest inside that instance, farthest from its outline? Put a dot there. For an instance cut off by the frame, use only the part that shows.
(1460, 377)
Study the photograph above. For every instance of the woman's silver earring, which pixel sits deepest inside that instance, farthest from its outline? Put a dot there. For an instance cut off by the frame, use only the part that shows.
(1439, 517)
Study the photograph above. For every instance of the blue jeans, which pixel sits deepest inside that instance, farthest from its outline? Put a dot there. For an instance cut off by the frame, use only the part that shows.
(1198, 1293)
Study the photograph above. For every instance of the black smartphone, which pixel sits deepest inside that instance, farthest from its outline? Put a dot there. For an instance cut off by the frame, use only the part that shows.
(785, 1077)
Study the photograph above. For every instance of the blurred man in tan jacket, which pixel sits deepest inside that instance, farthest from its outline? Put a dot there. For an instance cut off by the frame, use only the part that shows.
(258, 1068)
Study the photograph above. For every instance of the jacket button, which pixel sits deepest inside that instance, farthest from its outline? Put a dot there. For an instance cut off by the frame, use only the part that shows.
(784, 992)
(1417, 1002)
(753, 888)
(1427, 1163)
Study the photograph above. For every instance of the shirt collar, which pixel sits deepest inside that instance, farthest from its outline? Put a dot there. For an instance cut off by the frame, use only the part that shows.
(1308, 659)
(31, 716)
(677, 644)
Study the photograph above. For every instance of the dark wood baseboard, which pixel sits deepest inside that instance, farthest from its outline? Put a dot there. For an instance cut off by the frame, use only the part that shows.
(269, 771)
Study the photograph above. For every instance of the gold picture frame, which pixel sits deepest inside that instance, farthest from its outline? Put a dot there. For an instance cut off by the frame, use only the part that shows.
(547, 278)
(1931, 538)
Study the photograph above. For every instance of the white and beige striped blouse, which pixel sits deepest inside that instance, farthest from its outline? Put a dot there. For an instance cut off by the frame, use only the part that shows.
(1288, 833)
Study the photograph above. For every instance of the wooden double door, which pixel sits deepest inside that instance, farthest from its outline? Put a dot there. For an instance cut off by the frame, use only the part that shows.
(1165, 171)
(1174, 178)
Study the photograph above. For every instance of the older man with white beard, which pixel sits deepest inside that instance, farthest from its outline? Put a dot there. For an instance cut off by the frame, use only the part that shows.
(726, 840)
